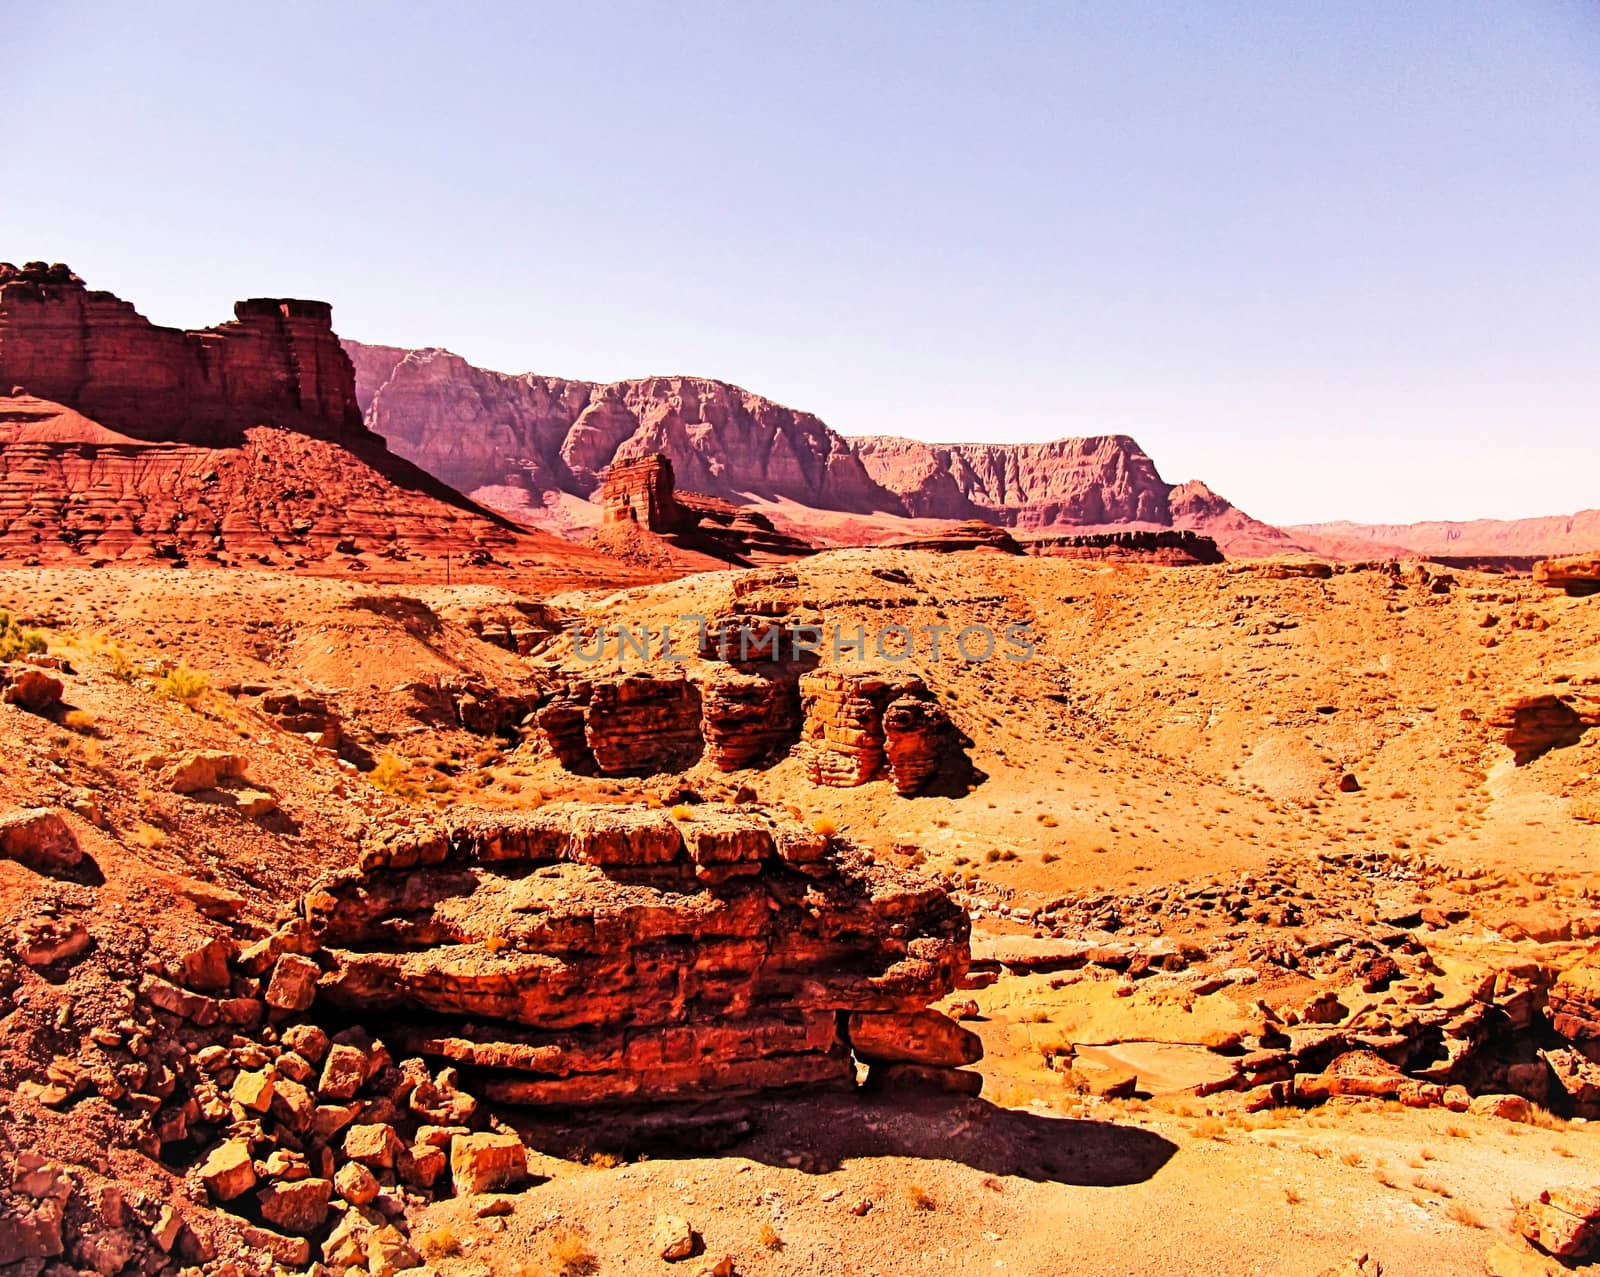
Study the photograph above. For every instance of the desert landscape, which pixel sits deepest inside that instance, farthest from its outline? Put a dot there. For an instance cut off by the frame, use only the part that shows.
(800, 640)
(799, 855)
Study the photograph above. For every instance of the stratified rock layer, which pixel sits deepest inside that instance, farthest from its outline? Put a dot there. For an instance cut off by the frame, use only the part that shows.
(859, 725)
(241, 445)
(579, 955)
(514, 439)
(278, 361)
(1577, 574)
(641, 493)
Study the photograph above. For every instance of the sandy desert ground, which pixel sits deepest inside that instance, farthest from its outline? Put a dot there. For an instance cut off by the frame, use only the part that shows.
(1152, 824)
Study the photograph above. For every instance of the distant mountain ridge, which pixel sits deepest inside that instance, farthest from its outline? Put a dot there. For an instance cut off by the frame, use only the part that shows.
(1545, 535)
(525, 442)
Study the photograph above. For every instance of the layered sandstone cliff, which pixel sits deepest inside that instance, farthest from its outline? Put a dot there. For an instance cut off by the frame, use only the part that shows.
(277, 362)
(1549, 535)
(237, 445)
(518, 441)
(477, 429)
(1108, 479)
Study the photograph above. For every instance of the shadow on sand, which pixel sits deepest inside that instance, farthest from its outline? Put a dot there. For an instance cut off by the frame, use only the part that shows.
(817, 1134)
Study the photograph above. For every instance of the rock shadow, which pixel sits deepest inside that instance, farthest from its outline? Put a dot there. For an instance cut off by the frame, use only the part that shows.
(819, 1133)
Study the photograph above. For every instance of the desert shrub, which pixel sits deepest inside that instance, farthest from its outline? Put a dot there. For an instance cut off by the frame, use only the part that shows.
(572, 1255)
(80, 721)
(393, 775)
(681, 812)
(122, 669)
(822, 825)
(16, 641)
(148, 836)
(1464, 1215)
(182, 684)
(440, 1243)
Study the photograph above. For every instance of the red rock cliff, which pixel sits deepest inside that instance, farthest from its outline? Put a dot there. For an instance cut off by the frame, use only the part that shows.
(1097, 480)
(514, 440)
(277, 362)
(479, 429)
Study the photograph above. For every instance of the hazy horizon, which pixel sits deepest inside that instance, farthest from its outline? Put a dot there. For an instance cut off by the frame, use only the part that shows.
(1338, 263)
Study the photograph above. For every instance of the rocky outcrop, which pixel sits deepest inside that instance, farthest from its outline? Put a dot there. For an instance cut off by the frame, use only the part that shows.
(278, 361)
(641, 494)
(1172, 548)
(1541, 721)
(641, 725)
(751, 718)
(1577, 574)
(972, 534)
(39, 838)
(584, 955)
(31, 689)
(859, 725)
(849, 728)
(1574, 1004)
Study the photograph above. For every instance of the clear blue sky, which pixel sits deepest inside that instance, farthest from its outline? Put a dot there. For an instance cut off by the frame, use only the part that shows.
(1339, 259)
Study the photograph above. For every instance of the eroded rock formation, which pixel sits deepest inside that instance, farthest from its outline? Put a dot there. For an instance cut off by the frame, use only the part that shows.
(1174, 548)
(1541, 721)
(859, 725)
(641, 494)
(277, 361)
(848, 727)
(970, 534)
(579, 955)
(240, 445)
(1577, 574)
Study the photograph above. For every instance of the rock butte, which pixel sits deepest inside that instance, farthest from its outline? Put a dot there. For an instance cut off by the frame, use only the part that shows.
(640, 496)
(240, 445)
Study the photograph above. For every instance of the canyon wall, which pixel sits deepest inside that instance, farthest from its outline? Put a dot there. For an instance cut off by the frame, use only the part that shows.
(476, 429)
(515, 440)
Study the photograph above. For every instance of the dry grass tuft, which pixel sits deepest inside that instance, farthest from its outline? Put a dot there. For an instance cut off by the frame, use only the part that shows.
(1464, 1215)
(148, 836)
(184, 685)
(572, 1255)
(918, 1198)
(440, 1243)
